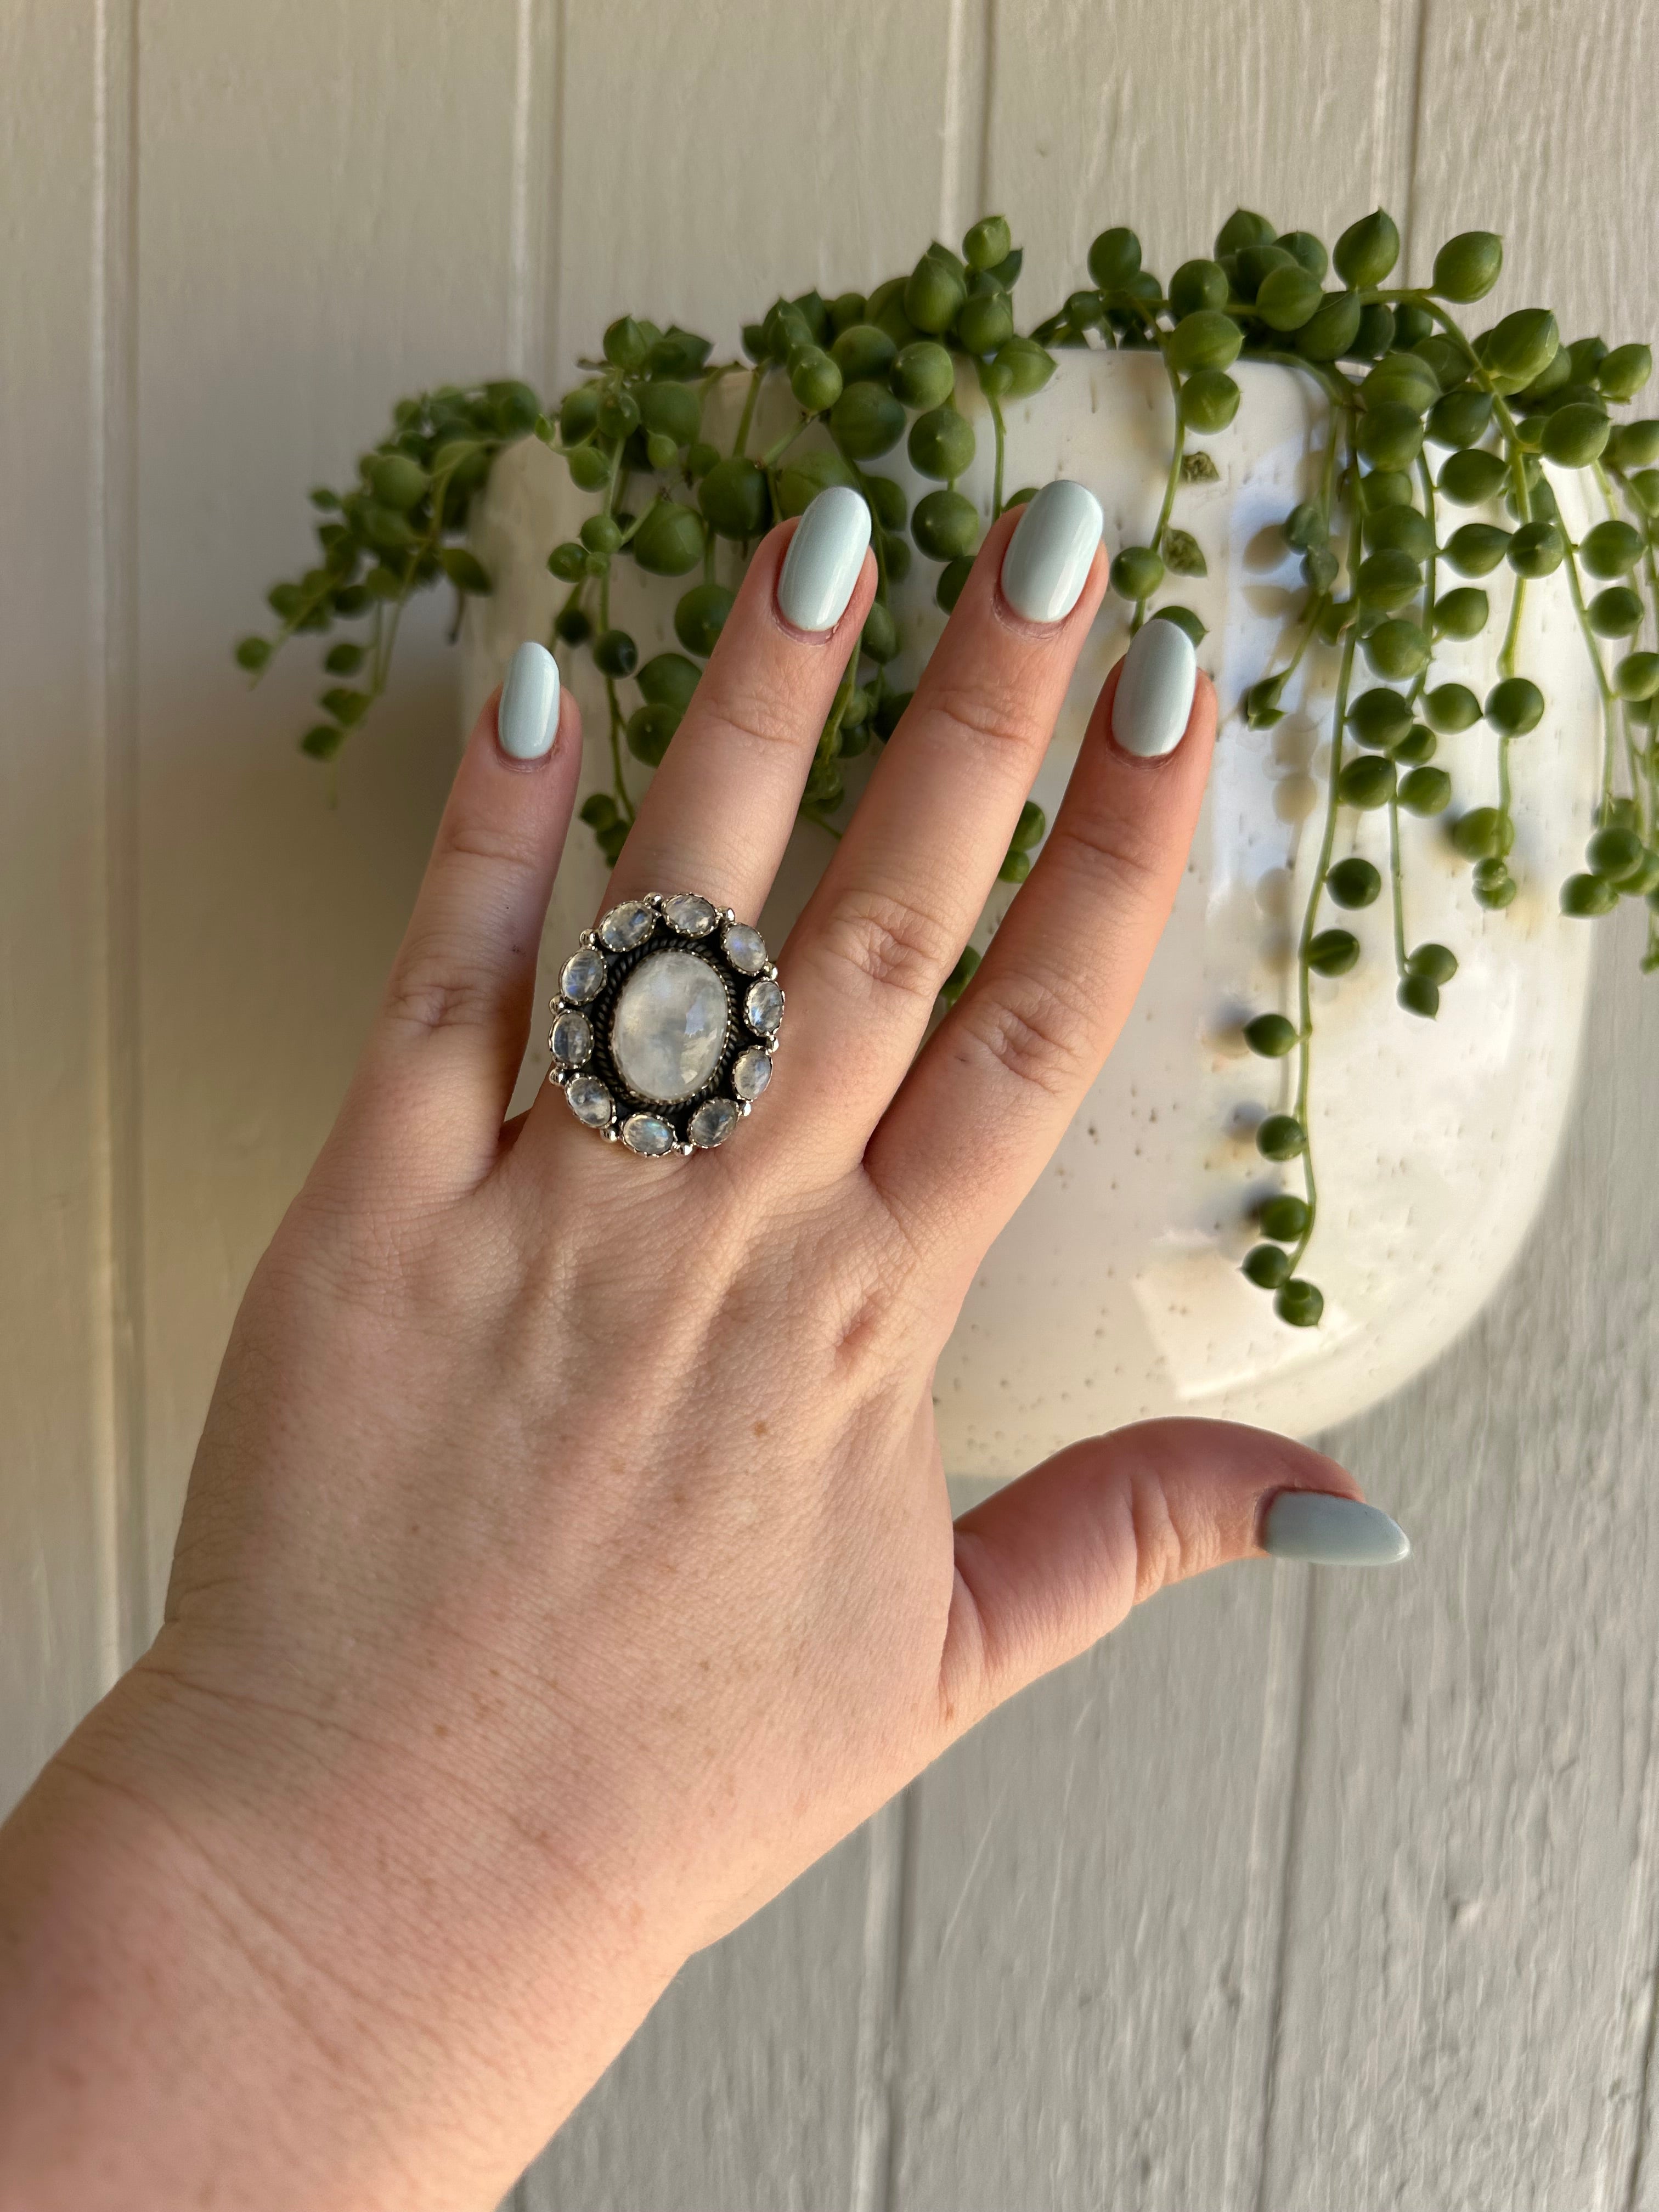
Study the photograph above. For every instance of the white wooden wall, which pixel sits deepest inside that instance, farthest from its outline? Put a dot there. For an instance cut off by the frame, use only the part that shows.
(1303, 1892)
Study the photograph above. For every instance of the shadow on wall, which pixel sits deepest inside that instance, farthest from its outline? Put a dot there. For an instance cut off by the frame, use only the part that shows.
(271, 895)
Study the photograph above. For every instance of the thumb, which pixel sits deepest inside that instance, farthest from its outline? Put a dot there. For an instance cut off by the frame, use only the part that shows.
(1055, 1561)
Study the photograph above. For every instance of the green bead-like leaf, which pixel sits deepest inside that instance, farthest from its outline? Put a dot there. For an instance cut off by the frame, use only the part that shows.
(700, 616)
(1334, 952)
(1367, 250)
(1281, 1136)
(863, 354)
(1209, 401)
(945, 525)
(866, 422)
(1467, 266)
(1271, 1036)
(1584, 896)
(1208, 339)
(1353, 883)
(1299, 1303)
(465, 571)
(1367, 782)
(1426, 791)
(1267, 1266)
(1515, 706)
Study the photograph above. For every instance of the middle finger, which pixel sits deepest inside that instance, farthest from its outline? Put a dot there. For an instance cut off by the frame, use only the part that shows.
(893, 910)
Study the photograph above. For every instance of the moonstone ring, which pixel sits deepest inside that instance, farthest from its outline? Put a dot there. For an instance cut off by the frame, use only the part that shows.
(665, 1023)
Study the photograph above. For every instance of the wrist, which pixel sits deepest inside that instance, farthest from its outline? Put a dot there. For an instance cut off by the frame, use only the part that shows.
(242, 1952)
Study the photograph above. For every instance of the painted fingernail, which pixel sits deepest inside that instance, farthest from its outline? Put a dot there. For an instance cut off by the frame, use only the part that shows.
(1048, 556)
(824, 557)
(527, 719)
(1154, 695)
(1332, 1532)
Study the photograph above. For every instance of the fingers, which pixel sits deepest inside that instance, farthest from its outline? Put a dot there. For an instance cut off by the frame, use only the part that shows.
(435, 1078)
(1053, 1563)
(888, 920)
(991, 1096)
(720, 808)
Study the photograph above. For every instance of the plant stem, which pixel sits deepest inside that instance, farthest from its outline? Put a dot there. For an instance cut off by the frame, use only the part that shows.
(1000, 435)
(741, 443)
(619, 787)
(1609, 718)
(1396, 887)
(1420, 681)
(1309, 919)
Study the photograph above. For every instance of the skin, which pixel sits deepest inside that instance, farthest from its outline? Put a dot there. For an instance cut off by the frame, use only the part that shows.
(568, 1560)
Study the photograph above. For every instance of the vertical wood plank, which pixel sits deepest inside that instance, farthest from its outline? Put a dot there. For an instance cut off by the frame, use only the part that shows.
(1166, 119)
(710, 162)
(59, 1595)
(1468, 2006)
(326, 221)
(738, 2094)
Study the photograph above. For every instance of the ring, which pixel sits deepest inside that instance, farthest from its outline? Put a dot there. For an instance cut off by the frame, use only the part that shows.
(665, 1023)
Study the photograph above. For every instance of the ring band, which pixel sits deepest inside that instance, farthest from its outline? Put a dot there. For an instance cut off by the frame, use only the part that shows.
(665, 1024)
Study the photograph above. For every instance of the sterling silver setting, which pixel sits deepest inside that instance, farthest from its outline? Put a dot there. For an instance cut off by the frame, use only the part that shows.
(711, 1049)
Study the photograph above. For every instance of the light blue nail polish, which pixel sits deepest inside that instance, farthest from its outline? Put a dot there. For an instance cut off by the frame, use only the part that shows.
(527, 719)
(1049, 555)
(824, 558)
(1154, 694)
(1332, 1532)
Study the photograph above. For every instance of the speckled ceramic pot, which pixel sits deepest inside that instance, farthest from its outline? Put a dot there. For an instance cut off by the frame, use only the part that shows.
(1115, 1291)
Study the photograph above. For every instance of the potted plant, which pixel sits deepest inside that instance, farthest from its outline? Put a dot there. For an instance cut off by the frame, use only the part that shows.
(1417, 561)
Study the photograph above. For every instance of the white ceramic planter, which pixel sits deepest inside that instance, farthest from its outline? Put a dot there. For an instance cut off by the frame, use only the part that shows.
(1114, 1293)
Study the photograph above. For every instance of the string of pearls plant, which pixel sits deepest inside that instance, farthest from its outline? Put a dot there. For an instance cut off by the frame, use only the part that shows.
(1403, 378)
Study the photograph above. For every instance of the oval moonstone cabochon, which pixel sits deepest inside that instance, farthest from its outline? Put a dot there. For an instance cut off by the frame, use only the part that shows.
(669, 1026)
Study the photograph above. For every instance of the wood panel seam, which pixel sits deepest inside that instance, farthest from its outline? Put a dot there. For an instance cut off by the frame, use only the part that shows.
(113, 525)
(1293, 1828)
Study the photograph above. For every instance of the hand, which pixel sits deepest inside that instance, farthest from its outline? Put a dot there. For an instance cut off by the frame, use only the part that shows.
(568, 1561)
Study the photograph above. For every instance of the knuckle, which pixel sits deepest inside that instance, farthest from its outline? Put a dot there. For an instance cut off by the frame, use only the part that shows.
(1160, 1550)
(890, 944)
(997, 715)
(1105, 850)
(758, 719)
(1034, 1032)
(470, 845)
(432, 989)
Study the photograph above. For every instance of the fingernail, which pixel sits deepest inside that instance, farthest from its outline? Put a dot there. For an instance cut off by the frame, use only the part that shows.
(527, 719)
(1332, 1532)
(824, 557)
(1048, 556)
(1154, 695)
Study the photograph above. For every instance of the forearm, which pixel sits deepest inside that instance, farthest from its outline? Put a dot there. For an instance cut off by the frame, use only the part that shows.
(213, 1989)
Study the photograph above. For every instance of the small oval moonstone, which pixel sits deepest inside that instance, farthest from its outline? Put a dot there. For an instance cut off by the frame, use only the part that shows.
(745, 948)
(751, 1072)
(583, 977)
(712, 1123)
(647, 1134)
(589, 1101)
(669, 1027)
(762, 1006)
(687, 913)
(573, 1039)
(628, 924)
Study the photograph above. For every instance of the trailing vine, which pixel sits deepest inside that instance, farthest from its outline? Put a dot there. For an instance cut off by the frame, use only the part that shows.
(1400, 374)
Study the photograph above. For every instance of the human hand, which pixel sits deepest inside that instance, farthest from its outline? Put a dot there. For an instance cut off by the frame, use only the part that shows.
(569, 1560)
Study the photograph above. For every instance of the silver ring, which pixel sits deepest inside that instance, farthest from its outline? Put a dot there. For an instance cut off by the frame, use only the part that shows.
(665, 1023)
